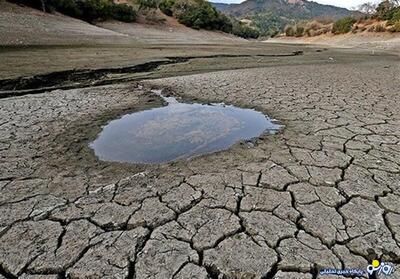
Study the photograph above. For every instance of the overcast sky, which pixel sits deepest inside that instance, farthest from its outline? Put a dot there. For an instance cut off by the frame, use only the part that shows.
(339, 3)
(345, 3)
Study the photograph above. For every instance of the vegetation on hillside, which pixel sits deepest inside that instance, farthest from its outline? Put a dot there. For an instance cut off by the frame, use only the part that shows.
(381, 18)
(200, 14)
(197, 14)
(88, 10)
(271, 16)
(243, 30)
(269, 23)
(343, 25)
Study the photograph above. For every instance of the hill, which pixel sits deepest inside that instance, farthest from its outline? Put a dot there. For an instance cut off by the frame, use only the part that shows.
(23, 26)
(271, 16)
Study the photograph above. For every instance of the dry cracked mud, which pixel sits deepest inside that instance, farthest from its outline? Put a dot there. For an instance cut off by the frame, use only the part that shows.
(322, 193)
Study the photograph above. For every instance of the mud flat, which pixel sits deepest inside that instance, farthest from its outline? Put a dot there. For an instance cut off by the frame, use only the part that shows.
(389, 42)
(321, 193)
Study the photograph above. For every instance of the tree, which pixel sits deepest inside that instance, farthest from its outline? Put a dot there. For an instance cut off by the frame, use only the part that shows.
(147, 4)
(384, 8)
(368, 8)
(43, 5)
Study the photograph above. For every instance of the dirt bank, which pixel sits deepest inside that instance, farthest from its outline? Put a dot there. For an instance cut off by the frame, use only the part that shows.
(366, 40)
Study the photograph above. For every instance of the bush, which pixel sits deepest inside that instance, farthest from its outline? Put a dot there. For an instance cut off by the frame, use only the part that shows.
(166, 7)
(123, 12)
(197, 14)
(394, 16)
(343, 25)
(203, 16)
(289, 31)
(245, 31)
(147, 4)
(379, 28)
(67, 7)
(299, 31)
(395, 27)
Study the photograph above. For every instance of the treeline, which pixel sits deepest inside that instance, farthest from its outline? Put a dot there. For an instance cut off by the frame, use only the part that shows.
(385, 17)
(390, 11)
(87, 10)
(200, 14)
(197, 14)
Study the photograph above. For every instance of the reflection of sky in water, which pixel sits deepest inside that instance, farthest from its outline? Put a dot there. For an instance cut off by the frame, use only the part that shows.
(178, 131)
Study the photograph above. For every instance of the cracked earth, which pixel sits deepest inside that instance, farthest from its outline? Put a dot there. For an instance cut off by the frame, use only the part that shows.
(322, 193)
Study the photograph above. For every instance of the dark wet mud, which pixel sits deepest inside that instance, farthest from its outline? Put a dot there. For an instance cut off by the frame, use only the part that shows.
(71, 79)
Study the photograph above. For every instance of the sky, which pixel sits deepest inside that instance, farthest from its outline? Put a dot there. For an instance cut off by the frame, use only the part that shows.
(340, 3)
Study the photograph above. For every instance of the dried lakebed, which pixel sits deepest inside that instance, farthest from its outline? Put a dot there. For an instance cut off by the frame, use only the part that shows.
(178, 131)
(323, 193)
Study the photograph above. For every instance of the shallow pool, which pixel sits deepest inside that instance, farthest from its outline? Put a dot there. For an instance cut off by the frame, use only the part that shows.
(178, 131)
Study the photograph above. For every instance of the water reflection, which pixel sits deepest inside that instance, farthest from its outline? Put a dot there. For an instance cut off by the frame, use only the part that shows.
(178, 131)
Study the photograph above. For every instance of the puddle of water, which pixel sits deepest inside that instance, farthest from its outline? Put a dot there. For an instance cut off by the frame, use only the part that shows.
(178, 131)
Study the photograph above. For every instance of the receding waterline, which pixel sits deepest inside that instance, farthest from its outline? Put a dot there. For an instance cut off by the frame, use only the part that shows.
(178, 131)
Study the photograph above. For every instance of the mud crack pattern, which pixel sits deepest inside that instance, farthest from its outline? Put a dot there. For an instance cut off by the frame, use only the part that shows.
(323, 193)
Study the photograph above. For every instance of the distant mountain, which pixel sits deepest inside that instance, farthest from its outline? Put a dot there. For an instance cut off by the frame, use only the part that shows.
(222, 7)
(301, 9)
(272, 15)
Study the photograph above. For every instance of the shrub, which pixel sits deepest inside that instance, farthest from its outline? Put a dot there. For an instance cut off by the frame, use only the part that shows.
(203, 16)
(343, 25)
(394, 16)
(67, 7)
(198, 14)
(147, 4)
(245, 31)
(289, 31)
(379, 28)
(395, 27)
(299, 31)
(166, 7)
(123, 12)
